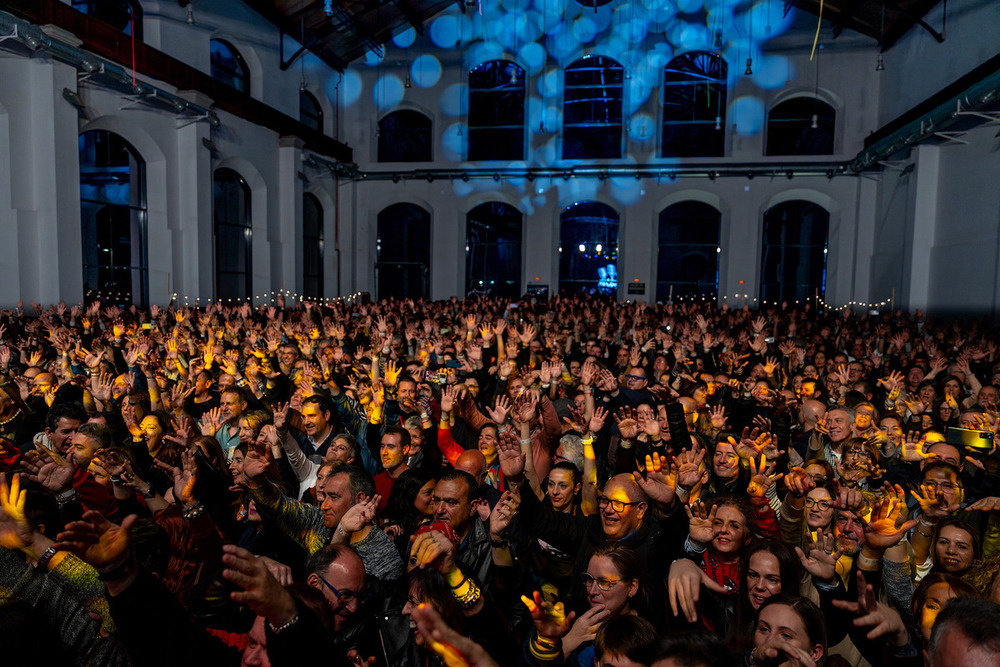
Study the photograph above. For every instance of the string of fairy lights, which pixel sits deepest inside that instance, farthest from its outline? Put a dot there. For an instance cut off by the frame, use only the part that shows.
(271, 298)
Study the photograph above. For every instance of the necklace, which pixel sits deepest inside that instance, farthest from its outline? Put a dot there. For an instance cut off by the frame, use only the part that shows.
(14, 416)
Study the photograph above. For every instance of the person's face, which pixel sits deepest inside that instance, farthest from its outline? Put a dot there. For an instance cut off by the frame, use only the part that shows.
(349, 580)
(988, 396)
(392, 452)
(817, 472)
(937, 596)
(733, 534)
(151, 427)
(253, 516)
(246, 432)
(255, 653)
(927, 394)
(858, 458)
(338, 499)
(236, 465)
(407, 392)
(892, 430)
(849, 531)
(287, 355)
(914, 377)
(838, 425)
(619, 524)
(203, 383)
(515, 387)
(807, 390)
(451, 504)
(488, 444)
(320, 488)
(232, 407)
(725, 462)
(863, 418)
(763, 577)
(945, 483)
(636, 379)
(60, 437)
(560, 488)
(952, 388)
(575, 368)
(854, 370)
(473, 387)
(423, 501)
(81, 450)
(414, 599)
(622, 356)
(945, 452)
(809, 371)
(953, 550)
(819, 509)
(43, 384)
(339, 450)
(784, 622)
(616, 599)
(314, 420)
(820, 360)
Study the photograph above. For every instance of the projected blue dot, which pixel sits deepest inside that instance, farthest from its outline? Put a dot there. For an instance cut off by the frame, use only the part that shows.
(425, 71)
(563, 43)
(405, 39)
(636, 30)
(550, 84)
(531, 57)
(516, 180)
(453, 142)
(372, 59)
(462, 188)
(582, 188)
(602, 17)
(584, 29)
(747, 113)
(494, 30)
(481, 52)
(643, 127)
(626, 190)
(638, 91)
(388, 92)
(771, 72)
(349, 88)
(453, 99)
(444, 31)
(546, 156)
(693, 36)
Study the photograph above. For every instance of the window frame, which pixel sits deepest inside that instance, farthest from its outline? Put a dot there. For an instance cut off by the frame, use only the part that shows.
(225, 75)
(580, 135)
(480, 150)
(246, 227)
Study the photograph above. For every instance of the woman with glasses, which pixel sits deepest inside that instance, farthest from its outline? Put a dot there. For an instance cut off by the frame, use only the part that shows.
(613, 589)
(811, 513)
(939, 495)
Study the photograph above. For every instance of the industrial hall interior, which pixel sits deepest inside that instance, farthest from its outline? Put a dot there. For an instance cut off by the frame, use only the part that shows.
(740, 152)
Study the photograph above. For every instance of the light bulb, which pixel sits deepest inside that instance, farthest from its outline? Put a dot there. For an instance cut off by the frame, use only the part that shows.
(583, 248)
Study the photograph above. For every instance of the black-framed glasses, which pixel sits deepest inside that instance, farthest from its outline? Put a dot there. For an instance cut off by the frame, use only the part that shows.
(343, 597)
(616, 505)
(603, 583)
(636, 378)
(822, 504)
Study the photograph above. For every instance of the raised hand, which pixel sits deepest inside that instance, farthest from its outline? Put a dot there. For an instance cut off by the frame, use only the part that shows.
(932, 505)
(500, 409)
(360, 515)
(96, 541)
(504, 512)
(717, 414)
(881, 531)
(260, 590)
(50, 470)
(510, 456)
(689, 472)
(684, 588)
(597, 421)
(870, 612)
(701, 522)
(660, 479)
(16, 532)
(798, 482)
(454, 649)
(822, 559)
(551, 620)
(762, 477)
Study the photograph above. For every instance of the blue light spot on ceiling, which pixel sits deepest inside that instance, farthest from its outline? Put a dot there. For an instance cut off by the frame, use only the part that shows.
(531, 57)
(453, 100)
(388, 92)
(453, 142)
(584, 29)
(771, 71)
(405, 39)
(349, 89)
(444, 31)
(643, 127)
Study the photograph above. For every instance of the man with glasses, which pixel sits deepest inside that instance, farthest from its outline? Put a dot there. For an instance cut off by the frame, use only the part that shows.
(339, 574)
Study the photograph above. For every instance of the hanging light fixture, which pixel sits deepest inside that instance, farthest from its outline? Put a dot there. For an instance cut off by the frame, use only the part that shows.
(718, 39)
(880, 64)
(190, 14)
(815, 121)
(749, 70)
(718, 122)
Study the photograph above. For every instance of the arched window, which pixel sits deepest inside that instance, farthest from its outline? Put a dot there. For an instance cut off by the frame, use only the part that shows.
(404, 136)
(229, 67)
(496, 111)
(801, 126)
(310, 112)
(113, 216)
(793, 266)
(592, 110)
(123, 15)
(688, 259)
(312, 246)
(233, 235)
(403, 252)
(694, 105)
(493, 250)
(588, 249)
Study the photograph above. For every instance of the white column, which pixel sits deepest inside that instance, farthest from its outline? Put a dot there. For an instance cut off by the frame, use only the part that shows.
(921, 233)
(285, 233)
(195, 231)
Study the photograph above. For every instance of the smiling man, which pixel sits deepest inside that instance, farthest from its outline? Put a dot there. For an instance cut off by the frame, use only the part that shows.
(839, 426)
(393, 452)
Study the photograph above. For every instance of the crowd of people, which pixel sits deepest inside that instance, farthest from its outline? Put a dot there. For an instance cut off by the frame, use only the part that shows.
(478, 482)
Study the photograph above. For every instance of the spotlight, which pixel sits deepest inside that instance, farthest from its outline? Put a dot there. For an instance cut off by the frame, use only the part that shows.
(583, 248)
(879, 64)
(718, 122)
(749, 70)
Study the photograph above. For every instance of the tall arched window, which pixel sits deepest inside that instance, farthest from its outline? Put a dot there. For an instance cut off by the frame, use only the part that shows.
(123, 15)
(312, 246)
(793, 266)
(310, 112)
(493, 250)
(113, 216)
(801, 126)
(588, 249)
(229, 67)
(694, 105)
(403, 252)
(496, 111)
(233, 235)
(592, 110)
(688, 260)
(405, 136)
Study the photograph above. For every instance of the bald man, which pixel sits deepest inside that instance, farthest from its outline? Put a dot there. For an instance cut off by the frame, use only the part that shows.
(810, 413)
(473, 462)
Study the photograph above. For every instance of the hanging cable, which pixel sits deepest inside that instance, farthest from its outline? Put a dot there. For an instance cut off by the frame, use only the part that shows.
(819, 23)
